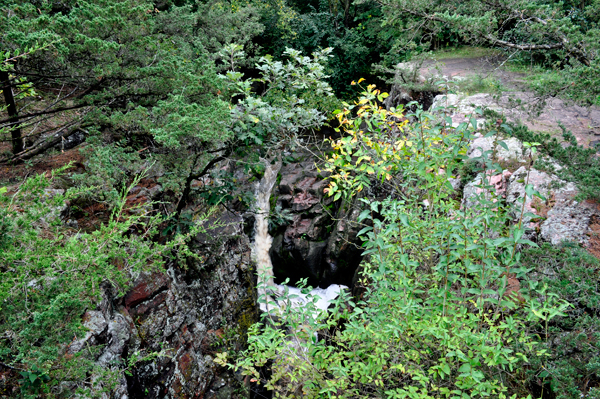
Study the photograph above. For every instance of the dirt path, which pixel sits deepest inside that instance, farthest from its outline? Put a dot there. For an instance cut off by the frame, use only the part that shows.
(518, 102)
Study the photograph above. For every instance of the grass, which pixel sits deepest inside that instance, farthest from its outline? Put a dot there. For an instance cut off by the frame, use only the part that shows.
(554, 81)
(474, 84)
(536, 74)
(463, 52)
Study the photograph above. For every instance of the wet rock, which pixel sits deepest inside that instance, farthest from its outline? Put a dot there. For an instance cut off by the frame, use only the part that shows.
(304, 247)
(303, 201)
(223, 225)
(144, 288)
(344, 253)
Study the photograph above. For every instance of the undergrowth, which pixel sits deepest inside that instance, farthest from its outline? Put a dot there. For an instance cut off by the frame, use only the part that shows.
(573, 369)
(447, 308)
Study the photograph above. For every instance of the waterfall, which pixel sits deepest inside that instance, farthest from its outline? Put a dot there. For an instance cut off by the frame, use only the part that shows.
(260, 251)
(262, 239)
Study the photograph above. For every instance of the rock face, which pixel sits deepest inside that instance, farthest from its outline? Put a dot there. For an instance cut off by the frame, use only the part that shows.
(497, 183)
(167, 327)
(179, 314)
(514, 105)
(320, 241)
(460, 109)
(568, 220)
(503, 149)
(555, 217)
(564, 218)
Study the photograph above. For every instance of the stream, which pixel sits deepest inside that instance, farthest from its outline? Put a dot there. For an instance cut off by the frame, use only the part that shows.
(277, 294)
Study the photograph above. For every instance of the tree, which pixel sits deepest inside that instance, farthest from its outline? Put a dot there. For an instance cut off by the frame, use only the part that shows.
(9, 97)
(107, 57)
(353, 30)
(567, 37)
(144, 84)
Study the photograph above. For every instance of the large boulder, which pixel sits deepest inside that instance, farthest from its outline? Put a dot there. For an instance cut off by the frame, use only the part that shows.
(461, 109)
(568, 220)
(554, 215)
(502, 149)
(491, 188)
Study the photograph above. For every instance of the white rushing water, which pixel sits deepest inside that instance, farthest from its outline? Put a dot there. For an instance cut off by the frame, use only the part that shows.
(262, 239)
(262, 244)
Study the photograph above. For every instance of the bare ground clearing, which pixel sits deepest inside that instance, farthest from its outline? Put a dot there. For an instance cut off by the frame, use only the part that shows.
(583, 122)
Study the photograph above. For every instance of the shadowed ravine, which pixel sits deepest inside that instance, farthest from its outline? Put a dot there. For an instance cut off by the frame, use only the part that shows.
(260, 251)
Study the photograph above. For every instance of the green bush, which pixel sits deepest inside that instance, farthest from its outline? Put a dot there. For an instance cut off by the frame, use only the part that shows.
(438, 314)
(572, 370)
(50, 275)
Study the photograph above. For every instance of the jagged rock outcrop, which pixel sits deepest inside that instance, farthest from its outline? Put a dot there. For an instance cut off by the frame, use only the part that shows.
(503, 149)
(319, 242)
(563, 218)
(179, 314)
(497, 183)
(555, 217)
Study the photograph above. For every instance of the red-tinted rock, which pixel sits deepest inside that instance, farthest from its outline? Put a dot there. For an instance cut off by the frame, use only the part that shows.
(145, 287)
(148, 305)
(299, 228)
(303, 201)
(306, 183)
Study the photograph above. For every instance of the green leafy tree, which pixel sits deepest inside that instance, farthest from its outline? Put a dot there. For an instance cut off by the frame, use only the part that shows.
(144, 85)
(107, 58)
(353, 30)
(564, 34)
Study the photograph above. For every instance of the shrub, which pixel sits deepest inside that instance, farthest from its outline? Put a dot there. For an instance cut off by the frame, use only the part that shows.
(573, 368)
(51, 275)
(441, 312)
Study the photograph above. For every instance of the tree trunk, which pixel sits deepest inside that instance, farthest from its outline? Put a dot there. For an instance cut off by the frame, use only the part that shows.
(185, 196)
(17, 139)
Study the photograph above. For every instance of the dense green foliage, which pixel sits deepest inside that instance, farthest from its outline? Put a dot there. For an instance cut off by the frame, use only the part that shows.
(353, 30)
(573, 342)
(451, 302)
(442, 313)
(51, 276)
(152, 92)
